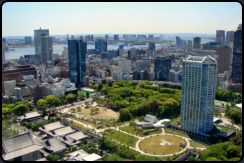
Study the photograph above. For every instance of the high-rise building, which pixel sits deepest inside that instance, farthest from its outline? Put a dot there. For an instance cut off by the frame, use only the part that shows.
(229, 38)
(46, 49)
(124, 36)
(116, 37)
(162, 67)
(220, 36)
(197, 43)
(124, 66)
(81, 37)
(178, 41)
(77, 61)
(151, 46)
(72, 37)
(37, 39)
(198, 94)
(3, 53)
(224, 61)
(86, 81)
(100, 46)
(91, 37)
(237, 56)
(106, 37)
(132, 54)
(150, 37)
(91, 69)
(28, 40)
(189, 45)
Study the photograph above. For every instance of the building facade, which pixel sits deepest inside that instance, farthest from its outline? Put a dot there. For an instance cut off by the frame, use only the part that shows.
(237, 56)
(197, 43)
(100, 46)
(46, 49)
(37, 39)
(224, 61)
(220, 36)
(162, 68)
(77, 61)
(28, 40)
(198, 94)
(151, 46)
(229, 38)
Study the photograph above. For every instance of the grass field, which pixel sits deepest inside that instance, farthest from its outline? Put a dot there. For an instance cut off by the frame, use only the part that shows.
(197, 145)
(83, 121)
(77, 125)
(121, 137)
(130, 130)
(172, 131)
(152, 145)
(103, 112)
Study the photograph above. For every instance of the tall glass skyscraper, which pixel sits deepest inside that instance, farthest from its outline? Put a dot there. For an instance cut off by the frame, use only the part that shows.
(237, 56)
(151, 46)
(198, 94)
(77, 61)
(100, 46)
(162, 67)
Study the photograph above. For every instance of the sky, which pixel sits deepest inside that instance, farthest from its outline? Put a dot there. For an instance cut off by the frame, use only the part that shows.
(61, 18)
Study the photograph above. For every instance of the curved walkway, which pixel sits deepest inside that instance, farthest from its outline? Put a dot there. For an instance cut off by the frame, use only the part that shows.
(141, 138)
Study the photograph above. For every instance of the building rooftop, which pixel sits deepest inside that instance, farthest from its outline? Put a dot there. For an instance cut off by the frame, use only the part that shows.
(64, 130)
(19, 145)
(92, 157)
(31, 115)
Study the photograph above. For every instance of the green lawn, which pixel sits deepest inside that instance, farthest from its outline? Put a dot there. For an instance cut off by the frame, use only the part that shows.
(197, 145)
(152, 145)
(130, 130)
(121, 137)
(85, 122)
(77, 125)
(172, 131)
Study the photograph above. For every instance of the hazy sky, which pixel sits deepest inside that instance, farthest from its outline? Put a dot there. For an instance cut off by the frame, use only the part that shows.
(21, 18)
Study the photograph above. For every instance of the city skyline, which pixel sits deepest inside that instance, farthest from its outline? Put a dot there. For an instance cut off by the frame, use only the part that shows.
(20, 19)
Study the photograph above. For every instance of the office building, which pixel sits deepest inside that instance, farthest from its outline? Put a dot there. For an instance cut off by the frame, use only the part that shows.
(91, 70)
(151, 76)
(183, 45)
(150, 37)
(189, 45)
(220, 78)
(132, 54)
(220, 36)
(237, 56)
(3, 53)
(37, 39)
(77, 61)
(177, 41)
(230, 38)
(28, 40)
(104, 55)
(136, 75)
(198, 94)
(197, 43)
(162, 68)
(38, 92)
(144, 75)
(86, 81)
(100, 46)
(116, 37)
(141, 36)
(81, 37)
(106, 37)
(72, 37)
(151, 46)
(224, 61)
(92, 38)
(9, 87)
(172, 75)
(18, 93)
(143, 64)
(46, 49)
(124, 66)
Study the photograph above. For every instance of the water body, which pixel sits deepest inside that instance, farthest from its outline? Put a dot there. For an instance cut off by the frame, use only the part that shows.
(58, 49)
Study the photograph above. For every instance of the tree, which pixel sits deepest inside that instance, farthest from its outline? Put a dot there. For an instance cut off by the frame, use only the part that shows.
(6, 111)
(116, 97)
(124, 115)
(87, 103)
(52, 157)
(212, 159)
(81, 95)
(87, 94)
(50, 99)
(100, 86)
(20, 109)
(70, 97)
(41, 104)
(78, 109)
(110, 84)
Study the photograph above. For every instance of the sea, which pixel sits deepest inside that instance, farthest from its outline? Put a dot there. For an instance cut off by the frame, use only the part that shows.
(58, 49)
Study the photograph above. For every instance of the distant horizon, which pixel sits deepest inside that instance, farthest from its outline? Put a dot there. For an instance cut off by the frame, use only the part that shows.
(119, 34)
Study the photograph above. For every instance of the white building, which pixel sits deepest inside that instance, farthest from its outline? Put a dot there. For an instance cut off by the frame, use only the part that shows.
(9, 87)
(115, 75)
(125, 66)
(198, 94)
(189, 45)
(225, 85)
(18, 93)
(171, 75)
(220, 78)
